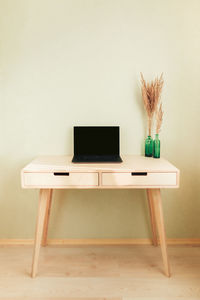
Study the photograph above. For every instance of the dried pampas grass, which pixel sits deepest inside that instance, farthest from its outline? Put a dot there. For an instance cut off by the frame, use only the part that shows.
(159, 118)
(151, 93)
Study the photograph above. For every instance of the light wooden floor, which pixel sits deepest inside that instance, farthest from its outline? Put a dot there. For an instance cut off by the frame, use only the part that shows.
(111, 272)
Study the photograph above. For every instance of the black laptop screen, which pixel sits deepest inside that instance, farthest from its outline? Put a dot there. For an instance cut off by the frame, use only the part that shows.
(96, 140)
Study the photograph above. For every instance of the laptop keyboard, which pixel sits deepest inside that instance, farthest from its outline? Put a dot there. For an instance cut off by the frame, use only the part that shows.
(97, 158)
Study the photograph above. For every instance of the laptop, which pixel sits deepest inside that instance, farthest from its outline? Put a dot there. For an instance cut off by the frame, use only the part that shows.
(96, 144)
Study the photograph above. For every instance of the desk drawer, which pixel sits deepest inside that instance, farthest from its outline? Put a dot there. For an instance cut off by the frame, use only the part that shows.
(139, 179)
(59, 179)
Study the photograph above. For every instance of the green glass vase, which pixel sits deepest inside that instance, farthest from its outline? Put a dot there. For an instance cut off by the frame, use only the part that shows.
(156, 146)
(149, 146)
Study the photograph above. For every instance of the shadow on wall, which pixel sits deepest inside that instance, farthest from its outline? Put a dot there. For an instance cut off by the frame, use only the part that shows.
(99, 214)
(141, 111)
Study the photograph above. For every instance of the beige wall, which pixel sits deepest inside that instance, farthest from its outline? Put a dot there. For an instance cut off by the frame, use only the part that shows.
(78, 62)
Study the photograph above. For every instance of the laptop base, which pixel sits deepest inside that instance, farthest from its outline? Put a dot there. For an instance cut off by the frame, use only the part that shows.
(97, 159)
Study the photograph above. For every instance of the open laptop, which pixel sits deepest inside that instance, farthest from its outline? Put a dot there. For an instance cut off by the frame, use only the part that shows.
(99, 144)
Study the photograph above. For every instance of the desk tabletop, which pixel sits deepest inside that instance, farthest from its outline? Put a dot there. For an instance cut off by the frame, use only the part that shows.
(131, 163)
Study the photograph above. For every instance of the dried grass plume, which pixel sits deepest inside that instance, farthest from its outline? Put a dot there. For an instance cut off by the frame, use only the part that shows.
(151, 92)
(159, 118)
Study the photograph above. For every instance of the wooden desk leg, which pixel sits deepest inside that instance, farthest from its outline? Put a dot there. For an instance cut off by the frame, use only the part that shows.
(156, 196)
(43, 201)
(46, 221)
(152, 217)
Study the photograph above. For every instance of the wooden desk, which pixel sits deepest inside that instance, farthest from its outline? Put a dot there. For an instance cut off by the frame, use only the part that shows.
(58, 172)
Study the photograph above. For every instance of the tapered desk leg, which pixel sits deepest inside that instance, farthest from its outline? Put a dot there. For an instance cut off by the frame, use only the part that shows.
(156, 196)
(43, 201)
(46, 221)
(152, 217)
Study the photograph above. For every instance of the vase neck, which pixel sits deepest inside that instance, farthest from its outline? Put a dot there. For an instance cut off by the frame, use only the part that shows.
(156, 135)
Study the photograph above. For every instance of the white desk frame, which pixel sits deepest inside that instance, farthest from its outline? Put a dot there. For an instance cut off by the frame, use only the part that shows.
(58, 172)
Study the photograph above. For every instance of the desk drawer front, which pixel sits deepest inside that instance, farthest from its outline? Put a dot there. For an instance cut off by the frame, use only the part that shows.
(59, 179)
(139, 179)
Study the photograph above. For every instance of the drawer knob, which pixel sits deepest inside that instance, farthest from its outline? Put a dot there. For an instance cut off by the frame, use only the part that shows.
(139, 173)
(61, 174)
